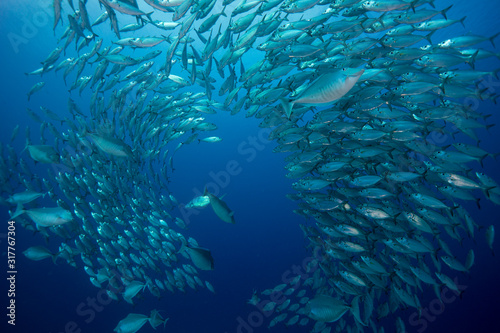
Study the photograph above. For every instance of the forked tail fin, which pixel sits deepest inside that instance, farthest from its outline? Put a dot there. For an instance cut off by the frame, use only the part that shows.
(287, 107)
(19, 211)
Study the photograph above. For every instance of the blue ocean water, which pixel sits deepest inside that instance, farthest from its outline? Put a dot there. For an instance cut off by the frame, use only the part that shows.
(256, 252)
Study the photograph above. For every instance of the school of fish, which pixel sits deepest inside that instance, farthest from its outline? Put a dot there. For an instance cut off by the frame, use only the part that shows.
(356, 92)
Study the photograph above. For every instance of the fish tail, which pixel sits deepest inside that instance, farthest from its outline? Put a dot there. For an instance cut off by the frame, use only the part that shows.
(184, 246)
(412, 5)
(472, 59)
(462, 21)
(495, 73)
(492, 39)
(441, 87)
(203, 39)
(443, 12)
(452, 210)
(481, 159)
(148, 15)
(380, 19)
(287, 107)
(495, 97)
(154, 315)
(54, 257)
(428, 37)
(481, 92)
(26, 147)
(19, 210)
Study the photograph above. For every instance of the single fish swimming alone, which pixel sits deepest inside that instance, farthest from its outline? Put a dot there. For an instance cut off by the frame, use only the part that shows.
(220, 208)
(134, 322)
(39, 253)
(48, 217)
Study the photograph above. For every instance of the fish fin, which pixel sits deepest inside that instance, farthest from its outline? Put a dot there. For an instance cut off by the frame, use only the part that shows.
(148, 15)
(487, 128)
(54, 258)
(495, 73)
(287, 107)
(184, 246)
(428, 37)
(380, 19)
(155, 315)
(441, 87)
(492, 38)
(412, 5)
(443, 12)
(462, 21)
(19, 210)
(495, 97)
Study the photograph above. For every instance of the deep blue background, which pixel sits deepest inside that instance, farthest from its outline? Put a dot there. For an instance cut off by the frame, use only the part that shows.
(252, 254)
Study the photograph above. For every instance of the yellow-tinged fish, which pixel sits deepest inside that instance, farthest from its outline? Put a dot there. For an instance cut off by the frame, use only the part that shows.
(39, 253)
(24, 197)
(48, 217)
(202, 258)
(43, 153)
(220, 208)
(327, 88)
(112, 146)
